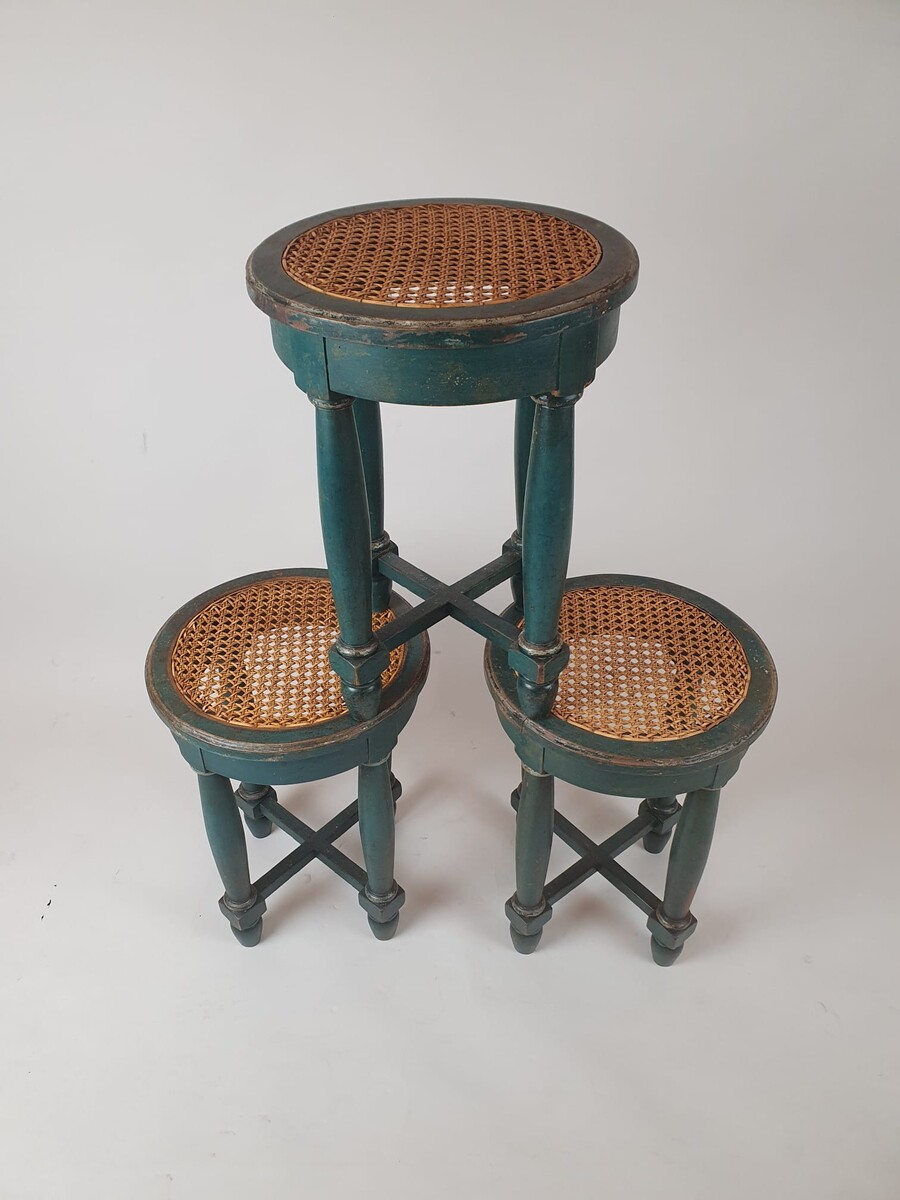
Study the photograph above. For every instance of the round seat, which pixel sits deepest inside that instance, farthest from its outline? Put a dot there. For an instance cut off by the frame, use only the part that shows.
(664, 690)
(241, 677)
(510, 299)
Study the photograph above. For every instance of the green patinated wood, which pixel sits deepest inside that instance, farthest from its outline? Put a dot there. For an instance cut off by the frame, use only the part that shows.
(662, 807)
(687, 861)
(250, 796)
(447, 375)
(368, 427)
(344, 511)
(534, 840)
(546, 537)
(229, 850)
(376, 833)
(524, 428)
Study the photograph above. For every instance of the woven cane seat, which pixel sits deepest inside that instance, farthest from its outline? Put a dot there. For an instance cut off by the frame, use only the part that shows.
(646, 665)
(441, 255)
(257, 657)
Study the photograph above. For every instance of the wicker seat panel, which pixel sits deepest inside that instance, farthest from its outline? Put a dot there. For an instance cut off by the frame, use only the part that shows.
(258, 656)
(646, 665)
(441, 255)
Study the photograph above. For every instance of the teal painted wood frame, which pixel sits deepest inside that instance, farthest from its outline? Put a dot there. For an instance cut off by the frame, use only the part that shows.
(556, 364)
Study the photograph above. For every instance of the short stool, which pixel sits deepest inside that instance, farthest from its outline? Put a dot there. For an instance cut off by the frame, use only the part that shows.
(241, 677)
(663, 693)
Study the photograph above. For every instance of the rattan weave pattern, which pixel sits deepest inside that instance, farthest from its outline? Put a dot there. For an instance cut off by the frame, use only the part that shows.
(258, 656)
(646, 665)
(441, 255)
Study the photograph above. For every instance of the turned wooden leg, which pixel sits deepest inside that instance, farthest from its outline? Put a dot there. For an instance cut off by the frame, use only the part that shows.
(664, 809)
(226, 840)
(368, 427)
(356, 657)
(528, 910)
(376, 832)
(546, 537)
(249, 796)
(524, 428)
(672, 923)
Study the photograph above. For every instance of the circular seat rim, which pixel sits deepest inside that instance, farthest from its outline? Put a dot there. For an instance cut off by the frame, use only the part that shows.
(187, 722)
(728, 739)
(282, 298)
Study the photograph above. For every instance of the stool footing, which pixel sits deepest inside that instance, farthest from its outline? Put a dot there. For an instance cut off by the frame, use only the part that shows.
(249, 798)
(384, 930)
(382, 909)
(526, 925)
(664, 810)
(656, 818)
(248, 937)
(664, 956)
(536, 700)
(525, 943)
(655, 843)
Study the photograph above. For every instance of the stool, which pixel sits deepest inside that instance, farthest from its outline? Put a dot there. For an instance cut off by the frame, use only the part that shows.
(444, 302)
(663, 693)
(240, 675)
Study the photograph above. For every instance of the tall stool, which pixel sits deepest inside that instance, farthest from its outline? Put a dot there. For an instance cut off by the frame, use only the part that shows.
(444, 303)
(663, 693)
(240, 676)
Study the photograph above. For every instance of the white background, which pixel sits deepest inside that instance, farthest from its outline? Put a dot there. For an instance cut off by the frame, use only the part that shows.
(741, 440)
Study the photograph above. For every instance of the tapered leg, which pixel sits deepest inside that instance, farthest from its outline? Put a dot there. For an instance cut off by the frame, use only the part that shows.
(226, 840)
(343, 506)
(249, 796)
(673, 923)
(376, 832)
(546, 537)
(528, 910)
(368, 426)
(525, 408)
(664, 809)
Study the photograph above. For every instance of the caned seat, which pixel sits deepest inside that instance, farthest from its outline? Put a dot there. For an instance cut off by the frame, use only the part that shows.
(646, 665)
(256, 656)
(509, 299)
(441, 255)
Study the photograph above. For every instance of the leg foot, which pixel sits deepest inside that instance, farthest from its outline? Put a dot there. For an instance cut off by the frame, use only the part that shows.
(260, 827)
(655, 843)
(384, 930)
(665, 810)
(249, 796)
(525, 943)
(249, 937)
(664, 956)
(536, 700)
